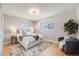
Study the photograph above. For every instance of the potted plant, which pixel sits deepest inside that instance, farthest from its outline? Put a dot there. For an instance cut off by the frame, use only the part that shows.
(71, 27)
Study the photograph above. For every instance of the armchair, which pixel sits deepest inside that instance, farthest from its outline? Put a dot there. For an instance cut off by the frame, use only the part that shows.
(71, 45)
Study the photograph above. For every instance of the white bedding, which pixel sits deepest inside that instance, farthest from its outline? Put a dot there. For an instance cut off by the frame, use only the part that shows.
(26, 40)
(29, 41)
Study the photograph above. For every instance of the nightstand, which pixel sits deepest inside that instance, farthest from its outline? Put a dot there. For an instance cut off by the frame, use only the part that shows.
(13, 39)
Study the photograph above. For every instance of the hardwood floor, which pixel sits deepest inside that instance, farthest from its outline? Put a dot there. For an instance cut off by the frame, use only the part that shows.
(6, 48)
(52, 50)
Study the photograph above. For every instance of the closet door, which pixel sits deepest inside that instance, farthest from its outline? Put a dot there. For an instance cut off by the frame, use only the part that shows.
(0, 31)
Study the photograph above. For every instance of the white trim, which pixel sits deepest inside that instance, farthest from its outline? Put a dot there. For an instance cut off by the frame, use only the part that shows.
(52, 41)
(6, 42)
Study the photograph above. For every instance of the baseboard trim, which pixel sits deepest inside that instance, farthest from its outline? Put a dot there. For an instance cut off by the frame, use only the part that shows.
(53, 41)
(6, 42)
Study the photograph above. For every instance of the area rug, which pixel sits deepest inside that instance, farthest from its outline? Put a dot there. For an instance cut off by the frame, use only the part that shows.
(18, 50)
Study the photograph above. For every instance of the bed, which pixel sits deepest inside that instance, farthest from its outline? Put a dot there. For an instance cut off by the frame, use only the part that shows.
(29, 41)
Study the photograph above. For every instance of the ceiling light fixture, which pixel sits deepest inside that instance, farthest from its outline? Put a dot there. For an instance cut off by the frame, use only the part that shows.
(34, 11)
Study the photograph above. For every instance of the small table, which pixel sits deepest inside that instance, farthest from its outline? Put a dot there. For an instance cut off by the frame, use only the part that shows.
(13, 39)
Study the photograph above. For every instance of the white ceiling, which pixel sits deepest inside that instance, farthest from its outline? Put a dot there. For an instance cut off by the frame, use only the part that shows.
(46, 10)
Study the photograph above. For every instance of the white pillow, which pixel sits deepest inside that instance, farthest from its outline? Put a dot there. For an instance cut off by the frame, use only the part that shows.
(61, 43)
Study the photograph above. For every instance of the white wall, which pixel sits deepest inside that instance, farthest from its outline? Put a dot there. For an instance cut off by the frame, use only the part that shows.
(77, 12)
(58, 21)
(10, 21)
(1, 32)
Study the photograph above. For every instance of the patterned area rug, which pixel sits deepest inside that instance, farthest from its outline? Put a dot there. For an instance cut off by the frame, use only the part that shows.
(18, 50)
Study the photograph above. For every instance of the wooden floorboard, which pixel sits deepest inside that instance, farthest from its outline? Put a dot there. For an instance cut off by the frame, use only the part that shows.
(53, 50)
